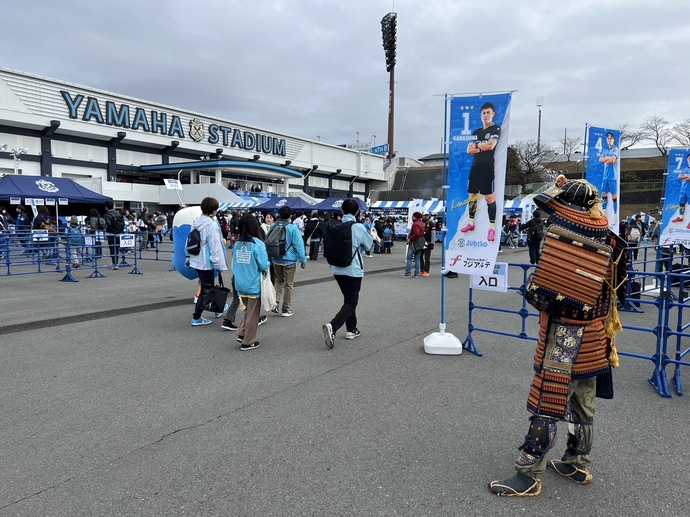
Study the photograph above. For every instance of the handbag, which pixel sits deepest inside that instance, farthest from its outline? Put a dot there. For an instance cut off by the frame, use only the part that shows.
(418, 244)
(268, 293)
(214, 297)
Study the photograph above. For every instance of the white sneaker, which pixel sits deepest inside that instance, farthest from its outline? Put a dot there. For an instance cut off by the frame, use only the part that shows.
(352, 335)
(329, 335)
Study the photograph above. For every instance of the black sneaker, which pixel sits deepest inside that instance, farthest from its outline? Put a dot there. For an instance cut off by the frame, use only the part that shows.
(240, 338)
(250, 347)
(262, 319)
(228, 325)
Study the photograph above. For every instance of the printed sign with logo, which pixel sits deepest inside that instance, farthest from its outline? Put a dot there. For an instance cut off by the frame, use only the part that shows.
(477, 155)
(675, 220)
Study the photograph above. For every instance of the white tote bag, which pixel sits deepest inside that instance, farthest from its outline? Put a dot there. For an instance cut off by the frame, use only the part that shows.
(268, 293)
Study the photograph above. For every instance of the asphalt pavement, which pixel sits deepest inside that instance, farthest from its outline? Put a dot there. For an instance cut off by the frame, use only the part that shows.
(114, 405)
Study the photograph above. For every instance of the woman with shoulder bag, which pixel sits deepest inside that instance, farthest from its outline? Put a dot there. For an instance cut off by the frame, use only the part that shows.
(249, 264)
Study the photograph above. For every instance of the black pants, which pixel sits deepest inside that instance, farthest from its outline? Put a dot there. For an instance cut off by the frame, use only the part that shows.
(347, 315)
(426, 259)
(206, 276)
(533, 251)
(114, 246)
(314, 250)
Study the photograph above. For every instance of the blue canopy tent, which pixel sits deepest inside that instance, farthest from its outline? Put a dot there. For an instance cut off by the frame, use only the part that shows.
(247, 202)
(14, 187)
(333, 204)
(296, 203)
(44, 187)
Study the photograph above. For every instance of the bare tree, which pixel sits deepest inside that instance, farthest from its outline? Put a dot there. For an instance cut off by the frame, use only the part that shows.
(630, 137)
(658, 132)
(570, 144)
(532, 156)
(681, 133)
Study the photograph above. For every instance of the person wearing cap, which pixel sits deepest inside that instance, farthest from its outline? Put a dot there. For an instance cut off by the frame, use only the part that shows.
(481, 180)
(575, 349)
(414, 249)
(430, 238)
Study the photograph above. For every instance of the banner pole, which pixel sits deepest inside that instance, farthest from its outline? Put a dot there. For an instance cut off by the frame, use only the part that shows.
(442, 343)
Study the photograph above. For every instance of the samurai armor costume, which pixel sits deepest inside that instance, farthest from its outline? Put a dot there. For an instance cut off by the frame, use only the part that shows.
(577, 324)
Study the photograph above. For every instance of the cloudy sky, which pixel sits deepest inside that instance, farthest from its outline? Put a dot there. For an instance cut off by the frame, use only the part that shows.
(316, 68)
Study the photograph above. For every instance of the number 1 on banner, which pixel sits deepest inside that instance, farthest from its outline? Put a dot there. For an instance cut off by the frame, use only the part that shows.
(466, 127)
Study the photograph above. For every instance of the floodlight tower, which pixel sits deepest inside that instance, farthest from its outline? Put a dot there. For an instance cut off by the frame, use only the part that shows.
(388, 30)
(540, 103)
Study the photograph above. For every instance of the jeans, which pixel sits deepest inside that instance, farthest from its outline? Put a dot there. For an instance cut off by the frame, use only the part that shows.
(113, 244)
(413, 255)
(347, 315)
(206, 278)
(314, 249)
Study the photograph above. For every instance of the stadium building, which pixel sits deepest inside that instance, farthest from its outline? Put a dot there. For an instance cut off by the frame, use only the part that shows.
(125, 148)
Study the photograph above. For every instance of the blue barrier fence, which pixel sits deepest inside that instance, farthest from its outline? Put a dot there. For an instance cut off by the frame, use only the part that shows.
(658, 280)
(37, 252)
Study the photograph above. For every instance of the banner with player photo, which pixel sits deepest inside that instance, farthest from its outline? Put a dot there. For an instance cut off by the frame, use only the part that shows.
(477, 153)
(603, 170)
(675, 219)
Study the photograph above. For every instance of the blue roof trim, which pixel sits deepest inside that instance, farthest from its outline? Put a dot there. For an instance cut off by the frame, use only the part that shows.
(220, 163)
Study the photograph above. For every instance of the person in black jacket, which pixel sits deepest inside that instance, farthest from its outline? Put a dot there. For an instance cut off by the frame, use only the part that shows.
(313, 232)
(535, 233)
(114, 226)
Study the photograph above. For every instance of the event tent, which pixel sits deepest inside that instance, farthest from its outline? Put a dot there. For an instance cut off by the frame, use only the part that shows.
(432, 206)
(296, 203)
(519, 206)
(246, 202)
(48, 187)
(333, 204)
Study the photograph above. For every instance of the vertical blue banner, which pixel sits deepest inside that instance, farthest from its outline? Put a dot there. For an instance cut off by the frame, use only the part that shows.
(477, 152)
(675, 218)
(603, 170)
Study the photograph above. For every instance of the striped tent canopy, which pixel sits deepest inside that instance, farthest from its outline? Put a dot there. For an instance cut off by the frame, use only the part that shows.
(433, 206)
(519, 205)
(247, 202)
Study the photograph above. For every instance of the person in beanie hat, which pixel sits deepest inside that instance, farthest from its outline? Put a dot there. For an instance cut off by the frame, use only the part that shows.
(415, 245)
(576, 349)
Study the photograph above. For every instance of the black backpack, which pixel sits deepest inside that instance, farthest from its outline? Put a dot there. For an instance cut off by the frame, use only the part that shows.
(337, 243)
(115, 220)
(193, 245)
(276, 241)
(537, 231)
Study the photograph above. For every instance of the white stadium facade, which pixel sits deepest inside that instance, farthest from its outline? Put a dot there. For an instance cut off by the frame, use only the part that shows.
(125, 148)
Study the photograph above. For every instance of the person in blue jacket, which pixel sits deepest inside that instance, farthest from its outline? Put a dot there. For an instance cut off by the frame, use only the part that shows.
(349, 278)
(286, 265)
(249, 263)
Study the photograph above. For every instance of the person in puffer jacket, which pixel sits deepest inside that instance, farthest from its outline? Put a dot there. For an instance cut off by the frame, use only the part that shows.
(249, 263)
(211, 257)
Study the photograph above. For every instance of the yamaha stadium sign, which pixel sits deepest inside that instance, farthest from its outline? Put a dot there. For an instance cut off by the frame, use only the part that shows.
(109, 113)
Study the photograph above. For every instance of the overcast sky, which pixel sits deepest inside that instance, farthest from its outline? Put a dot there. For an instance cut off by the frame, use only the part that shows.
(316, 68)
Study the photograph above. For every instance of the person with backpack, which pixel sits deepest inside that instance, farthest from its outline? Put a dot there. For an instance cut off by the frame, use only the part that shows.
(114, 227)
(633, 235)
(345, 242)
(210, 257)
(535, 234)
(387, 238)
(285, 247)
